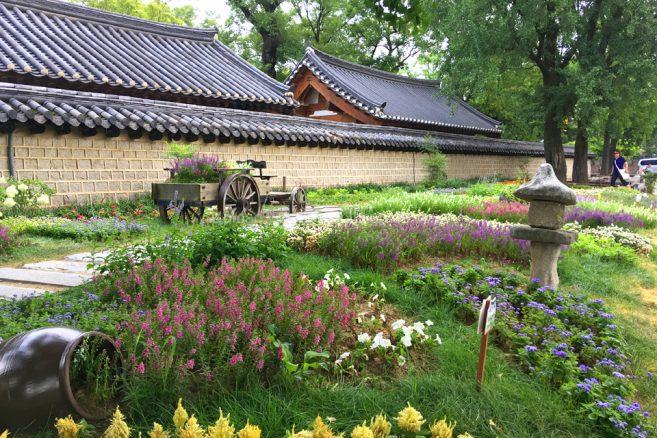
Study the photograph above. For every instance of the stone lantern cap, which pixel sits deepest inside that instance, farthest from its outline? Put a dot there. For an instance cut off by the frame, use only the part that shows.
(545, 186)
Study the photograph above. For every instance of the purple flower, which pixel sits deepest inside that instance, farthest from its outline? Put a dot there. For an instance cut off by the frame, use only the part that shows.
(559, 353)
(530, 348)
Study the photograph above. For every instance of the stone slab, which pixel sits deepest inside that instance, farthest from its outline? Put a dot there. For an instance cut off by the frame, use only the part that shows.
(544, 214)
(43, 277)
(543, 235)
(18, 293)
(86, 256)
(545, 186)
(61, 265)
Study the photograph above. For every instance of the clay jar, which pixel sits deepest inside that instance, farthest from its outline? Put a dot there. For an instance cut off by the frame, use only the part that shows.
(35, 377)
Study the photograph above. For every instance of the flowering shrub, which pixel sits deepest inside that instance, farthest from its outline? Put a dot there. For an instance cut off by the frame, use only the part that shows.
(385, 241)
(207, 245)
(634, 241)
(504, 211)
(7, 240)
(201, 168)
(234, 319)
(604, 248)
(596, 218)
(427, 202)
(561, 338)
(408, 422)
(92, 229)
(23, 193)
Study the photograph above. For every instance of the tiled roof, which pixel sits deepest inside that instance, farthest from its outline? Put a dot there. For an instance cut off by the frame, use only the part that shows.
(388, 96)
(36, 106)
(54, 43)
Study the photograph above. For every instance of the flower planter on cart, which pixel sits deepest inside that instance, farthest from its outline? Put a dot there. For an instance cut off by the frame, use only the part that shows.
(238, 194)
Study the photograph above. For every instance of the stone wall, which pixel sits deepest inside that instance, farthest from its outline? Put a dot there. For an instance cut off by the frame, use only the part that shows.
(83, 169)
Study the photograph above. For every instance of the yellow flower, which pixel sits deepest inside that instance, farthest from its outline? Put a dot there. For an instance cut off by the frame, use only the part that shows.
(301, 434)
(158, 432)
(180, 416)
(66, 428)
(249, 431)
(192, 429)
(380, 426)
(4, 434)
(222, 428)
(465, 435)
(118, 428)
(320, 429)
(362, 431)
(409, 419)
(442, 429)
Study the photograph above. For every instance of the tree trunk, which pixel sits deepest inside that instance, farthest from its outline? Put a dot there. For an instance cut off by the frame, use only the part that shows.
(553, 145)
(269, 55)
(581, 162)
(605, 161)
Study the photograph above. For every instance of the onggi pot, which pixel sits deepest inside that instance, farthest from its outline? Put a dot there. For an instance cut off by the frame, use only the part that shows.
(35, 380)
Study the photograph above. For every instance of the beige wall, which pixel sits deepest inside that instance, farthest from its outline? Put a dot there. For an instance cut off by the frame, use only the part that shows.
(82, 169)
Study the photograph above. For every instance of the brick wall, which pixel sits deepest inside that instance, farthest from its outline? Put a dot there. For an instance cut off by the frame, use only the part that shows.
(83, 169)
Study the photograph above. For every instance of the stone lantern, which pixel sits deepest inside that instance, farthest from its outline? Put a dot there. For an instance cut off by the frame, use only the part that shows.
(547, 198)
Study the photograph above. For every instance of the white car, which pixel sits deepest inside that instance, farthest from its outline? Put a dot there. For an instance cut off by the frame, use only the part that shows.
(647, 165)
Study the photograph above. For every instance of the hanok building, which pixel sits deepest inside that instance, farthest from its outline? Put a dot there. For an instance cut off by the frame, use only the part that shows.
(89, 100)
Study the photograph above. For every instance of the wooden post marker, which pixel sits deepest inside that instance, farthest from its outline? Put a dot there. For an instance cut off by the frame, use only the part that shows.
(486, 320)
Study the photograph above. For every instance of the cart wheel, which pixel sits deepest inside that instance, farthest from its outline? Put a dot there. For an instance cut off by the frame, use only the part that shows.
(239, 195)
(297, 200)
(188, 214)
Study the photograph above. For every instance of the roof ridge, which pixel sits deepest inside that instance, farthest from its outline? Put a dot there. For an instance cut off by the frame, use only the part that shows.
(373, 71)
(100, 16)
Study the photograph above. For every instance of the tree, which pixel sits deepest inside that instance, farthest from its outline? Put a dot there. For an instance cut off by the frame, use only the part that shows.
(155, 10)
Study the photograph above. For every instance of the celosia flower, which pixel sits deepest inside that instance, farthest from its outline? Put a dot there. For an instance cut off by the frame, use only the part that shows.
(362, 431)
(321, 429)
(222, 428)
(301, 434)
(380, 426)
(66, 428)
(249, 431)
(191, 429)
(180, 416)
(158, 432)
(465, 435)
(118, 428)
(4, 434)
(409, 419)
(442, 429)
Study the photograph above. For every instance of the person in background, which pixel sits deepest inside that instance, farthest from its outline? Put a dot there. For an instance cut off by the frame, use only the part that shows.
(619, 164)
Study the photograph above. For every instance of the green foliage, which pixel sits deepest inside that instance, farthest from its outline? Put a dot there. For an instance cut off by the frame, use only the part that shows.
(93, 229)
(181, 150)
(499, 190)
(603, 248)
(95, 374)
(18, 195)
(650, 179)
(155, 10)
(436, 164)
(430, 203)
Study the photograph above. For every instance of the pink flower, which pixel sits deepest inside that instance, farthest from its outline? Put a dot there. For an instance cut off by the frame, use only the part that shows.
(236, 359)
(141, 368)
(190, 364)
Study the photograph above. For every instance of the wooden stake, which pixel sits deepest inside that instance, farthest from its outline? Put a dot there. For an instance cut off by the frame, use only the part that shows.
(483, 346)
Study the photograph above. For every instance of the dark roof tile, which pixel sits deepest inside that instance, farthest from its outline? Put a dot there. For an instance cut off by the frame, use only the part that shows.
(58, 41)
(394, 97)
(22, 103)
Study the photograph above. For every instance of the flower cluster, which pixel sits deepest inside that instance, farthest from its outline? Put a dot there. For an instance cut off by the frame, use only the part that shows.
(92, 229)
(7, 239)
(24, 193)
(562, 339)
(590, 218)
(408, 422)
(385, 241)
(504, 211)
(237, 318)
(637, 242)
(201, 168)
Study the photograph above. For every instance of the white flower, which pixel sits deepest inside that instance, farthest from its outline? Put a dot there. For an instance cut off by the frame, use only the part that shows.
(383, 317)
(383, 286)
(401, 360)
(406, 340)
(398, 324)
(23, 188)
(428, 322)
(364, 338)
(437, 339)
(11, 191)
(408, 331)
(342, 357)
(380, 341)
(43, 200)
(3, 180)
(638, 197)
(419, 327)
(9, 202)
(346, 276)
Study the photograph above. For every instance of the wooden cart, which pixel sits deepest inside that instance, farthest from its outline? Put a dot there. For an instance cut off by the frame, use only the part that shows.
(240, 193)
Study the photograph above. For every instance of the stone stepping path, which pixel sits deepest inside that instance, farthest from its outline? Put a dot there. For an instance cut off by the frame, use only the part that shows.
(323, 213)
(50, 275)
